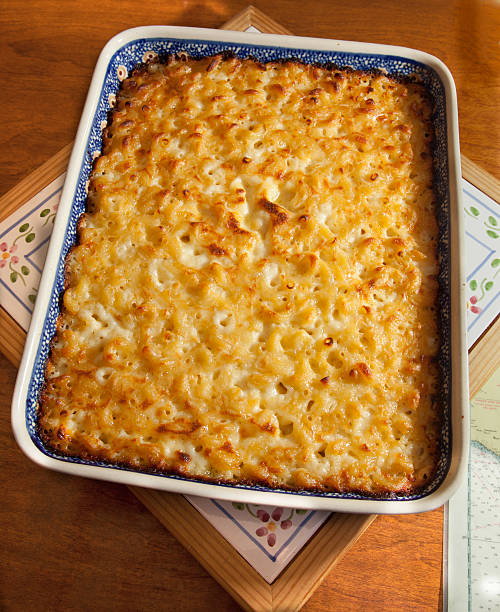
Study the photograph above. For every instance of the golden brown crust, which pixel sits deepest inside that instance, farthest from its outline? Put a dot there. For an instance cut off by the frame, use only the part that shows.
(252, 298)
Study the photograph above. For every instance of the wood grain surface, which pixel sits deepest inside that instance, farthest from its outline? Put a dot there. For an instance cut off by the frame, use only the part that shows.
(75, 544)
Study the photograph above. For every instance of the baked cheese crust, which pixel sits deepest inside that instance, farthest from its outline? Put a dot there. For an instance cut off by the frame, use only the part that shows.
(253, 295)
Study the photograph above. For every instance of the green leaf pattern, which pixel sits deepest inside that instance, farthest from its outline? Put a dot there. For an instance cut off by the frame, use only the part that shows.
(25, 231)
(480, 287)
(19, 241)
(472, 211)
(50, 216)
(492, 227)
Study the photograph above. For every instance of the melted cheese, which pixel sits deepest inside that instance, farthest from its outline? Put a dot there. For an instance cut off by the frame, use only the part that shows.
(253, 295)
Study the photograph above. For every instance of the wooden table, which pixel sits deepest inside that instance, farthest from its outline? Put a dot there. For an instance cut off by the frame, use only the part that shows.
(75, 544)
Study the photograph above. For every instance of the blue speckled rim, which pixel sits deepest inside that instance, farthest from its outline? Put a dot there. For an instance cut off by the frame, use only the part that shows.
(129, 56)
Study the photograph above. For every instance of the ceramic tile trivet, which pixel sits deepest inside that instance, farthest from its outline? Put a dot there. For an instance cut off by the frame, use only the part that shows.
(268, 538)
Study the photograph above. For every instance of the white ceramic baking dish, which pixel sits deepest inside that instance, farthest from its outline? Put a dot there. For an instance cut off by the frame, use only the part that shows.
(120, 55)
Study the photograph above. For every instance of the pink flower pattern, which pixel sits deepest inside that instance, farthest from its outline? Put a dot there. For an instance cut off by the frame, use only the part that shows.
(273, 522)
(473, 308)
(15, 268)
(7, 259)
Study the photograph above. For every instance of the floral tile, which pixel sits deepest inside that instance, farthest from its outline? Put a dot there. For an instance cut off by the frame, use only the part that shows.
(24, 239)
(268, 537)
(482, 230)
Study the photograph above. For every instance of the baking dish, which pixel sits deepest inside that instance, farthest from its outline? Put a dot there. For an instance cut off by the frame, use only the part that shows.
(118, 57)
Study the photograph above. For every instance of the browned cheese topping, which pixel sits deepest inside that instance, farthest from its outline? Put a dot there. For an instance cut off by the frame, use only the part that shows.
(253, 294)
